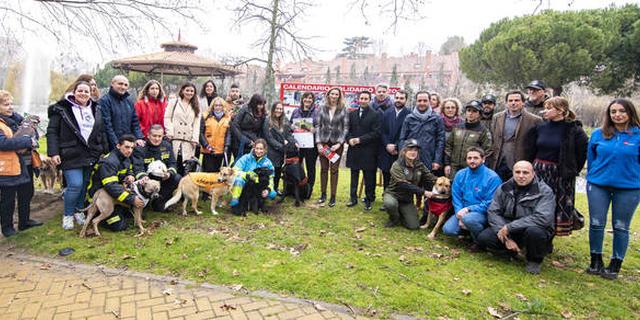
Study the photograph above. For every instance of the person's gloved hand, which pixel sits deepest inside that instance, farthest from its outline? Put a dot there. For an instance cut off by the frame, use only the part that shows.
(251, 176)
(272, 194)
(234, 202)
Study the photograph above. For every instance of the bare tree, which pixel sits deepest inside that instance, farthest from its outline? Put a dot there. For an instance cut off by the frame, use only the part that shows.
(281, 36)
(393, 10)
(108, 23)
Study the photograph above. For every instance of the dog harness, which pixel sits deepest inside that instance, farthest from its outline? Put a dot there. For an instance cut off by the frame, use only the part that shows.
(206, 180)
(438, 205)
(137, 192)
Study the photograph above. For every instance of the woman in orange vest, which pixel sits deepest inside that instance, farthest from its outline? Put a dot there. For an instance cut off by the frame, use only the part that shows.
(215, 135)
(16, 171)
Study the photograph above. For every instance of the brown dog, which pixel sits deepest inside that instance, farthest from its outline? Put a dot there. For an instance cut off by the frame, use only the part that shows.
(439, 205)
(49, 174)
(105, 204)
(213, 183)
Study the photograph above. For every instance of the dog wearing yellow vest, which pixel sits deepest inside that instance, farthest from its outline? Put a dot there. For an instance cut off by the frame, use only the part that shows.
(214, 183)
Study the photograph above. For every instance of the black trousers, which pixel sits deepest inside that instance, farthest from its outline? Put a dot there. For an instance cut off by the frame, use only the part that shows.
(166, 191)
(369, 184)
(24, 193)
(386, 179)
(535, 240)
(277, 174)
(212, 162)
(310, 156)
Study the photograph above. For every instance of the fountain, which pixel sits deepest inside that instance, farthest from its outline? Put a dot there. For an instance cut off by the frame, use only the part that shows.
(36, 78)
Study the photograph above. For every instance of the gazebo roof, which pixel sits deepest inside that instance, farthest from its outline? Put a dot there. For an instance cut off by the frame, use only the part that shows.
(178, 58)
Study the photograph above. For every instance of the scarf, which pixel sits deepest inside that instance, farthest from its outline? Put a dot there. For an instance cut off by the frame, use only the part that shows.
(218, 115)
(422, 116)
(450, 123)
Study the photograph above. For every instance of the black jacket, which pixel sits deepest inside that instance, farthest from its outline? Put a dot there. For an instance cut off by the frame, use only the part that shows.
(245, 128)
(109, 174)
(143, 156)
(275, 139)
(363, 155)
(64, 137)
(573, 153)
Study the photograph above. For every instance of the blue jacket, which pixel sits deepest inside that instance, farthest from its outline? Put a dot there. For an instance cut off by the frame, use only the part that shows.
(614, 162)
(428, 129)
(119, 117)
(391, 127)
(249, 162)
(474, 189)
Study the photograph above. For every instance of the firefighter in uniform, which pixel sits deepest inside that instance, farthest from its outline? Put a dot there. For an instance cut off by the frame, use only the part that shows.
(156, 148)
(112, 171)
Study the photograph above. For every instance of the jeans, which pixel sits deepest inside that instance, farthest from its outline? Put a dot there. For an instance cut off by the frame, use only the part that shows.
(474, 221)
(77, 181)
(624, 203)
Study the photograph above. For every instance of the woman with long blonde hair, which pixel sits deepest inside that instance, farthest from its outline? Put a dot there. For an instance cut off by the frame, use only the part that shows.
(215, 135)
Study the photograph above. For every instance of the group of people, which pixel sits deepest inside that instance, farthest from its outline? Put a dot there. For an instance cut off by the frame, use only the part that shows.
(513, 172)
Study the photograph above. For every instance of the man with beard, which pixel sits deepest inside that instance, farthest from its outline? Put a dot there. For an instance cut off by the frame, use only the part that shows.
(488, 108)
(234, 99)
(382, 101)
(472, 191)
(427, 128)
(392, 120)
(537, 97)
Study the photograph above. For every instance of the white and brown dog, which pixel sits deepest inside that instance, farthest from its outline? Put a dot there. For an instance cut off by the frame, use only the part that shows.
(146, 189)
(214, 183)
(439, 205)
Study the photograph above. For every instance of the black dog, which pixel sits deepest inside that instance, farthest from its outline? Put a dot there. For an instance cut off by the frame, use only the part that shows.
(191, 165)
(294, 178)
(251, 197)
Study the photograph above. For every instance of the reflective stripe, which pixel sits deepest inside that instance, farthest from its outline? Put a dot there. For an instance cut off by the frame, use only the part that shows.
(148, 160)
(123, 171)
(113, 219)
(172, 170)
(109, 179)
(123, 196)
(140, 175)
(165, 156)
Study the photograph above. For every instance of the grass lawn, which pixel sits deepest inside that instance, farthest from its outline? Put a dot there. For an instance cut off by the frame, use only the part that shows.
(345, 256)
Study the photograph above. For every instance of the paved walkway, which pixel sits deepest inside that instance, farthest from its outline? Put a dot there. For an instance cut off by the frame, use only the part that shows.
(37, 288)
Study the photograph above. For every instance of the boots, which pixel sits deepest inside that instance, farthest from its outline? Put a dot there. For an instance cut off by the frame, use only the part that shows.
(596, 265)
(611, 272)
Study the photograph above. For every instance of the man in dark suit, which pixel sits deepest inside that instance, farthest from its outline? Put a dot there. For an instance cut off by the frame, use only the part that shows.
(392, 120)
(364, 140)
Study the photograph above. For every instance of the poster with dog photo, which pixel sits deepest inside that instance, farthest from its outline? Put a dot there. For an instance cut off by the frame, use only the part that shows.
(303, 132)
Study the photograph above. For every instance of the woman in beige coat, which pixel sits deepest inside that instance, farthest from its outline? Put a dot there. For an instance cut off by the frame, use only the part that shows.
(182, 122)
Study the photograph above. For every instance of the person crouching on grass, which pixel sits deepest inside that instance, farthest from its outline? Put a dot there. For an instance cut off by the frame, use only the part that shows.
(409, 177)
(245, 167)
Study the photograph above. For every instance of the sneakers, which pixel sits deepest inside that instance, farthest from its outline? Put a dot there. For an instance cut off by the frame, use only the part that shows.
(67, 222)
(332, 202)
(322, 199)
(8, 232)
(533, 267)
(79, 217)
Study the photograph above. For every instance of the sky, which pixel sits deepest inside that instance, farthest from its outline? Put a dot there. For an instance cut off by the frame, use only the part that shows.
(331, 21)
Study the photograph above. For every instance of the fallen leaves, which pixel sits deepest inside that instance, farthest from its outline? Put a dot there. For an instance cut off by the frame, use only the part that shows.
(558, 264)
(466, 292)
(45, 266)
(295, 250)
(566, 314)
(435, 255)
(167, 291)
(227, 307)
(361, 229)
(521, 297)
(319, 307)
(494, 312)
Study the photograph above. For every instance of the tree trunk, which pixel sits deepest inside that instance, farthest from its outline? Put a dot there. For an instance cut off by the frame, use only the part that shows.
(269, 79)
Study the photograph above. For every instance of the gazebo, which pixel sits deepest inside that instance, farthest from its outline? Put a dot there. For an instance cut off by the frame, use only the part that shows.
(178, 58)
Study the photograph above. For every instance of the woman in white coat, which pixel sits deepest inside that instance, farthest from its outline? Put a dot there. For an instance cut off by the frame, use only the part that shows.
(182, 123)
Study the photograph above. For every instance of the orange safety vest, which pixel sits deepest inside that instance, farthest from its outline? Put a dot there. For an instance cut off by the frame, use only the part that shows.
(215, 132)
(206, 180)
(9, 161)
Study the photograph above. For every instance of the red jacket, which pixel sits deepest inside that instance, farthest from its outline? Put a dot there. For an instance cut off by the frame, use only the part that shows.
(150, 111)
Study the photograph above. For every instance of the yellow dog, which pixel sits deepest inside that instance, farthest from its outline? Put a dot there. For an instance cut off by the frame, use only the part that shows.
(213, 183)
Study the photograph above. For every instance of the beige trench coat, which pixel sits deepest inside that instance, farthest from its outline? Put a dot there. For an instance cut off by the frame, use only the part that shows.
(182, 124)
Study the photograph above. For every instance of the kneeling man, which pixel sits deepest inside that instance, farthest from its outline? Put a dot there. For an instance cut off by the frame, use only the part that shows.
(472, 192)
(521, 216)
(156, 148)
